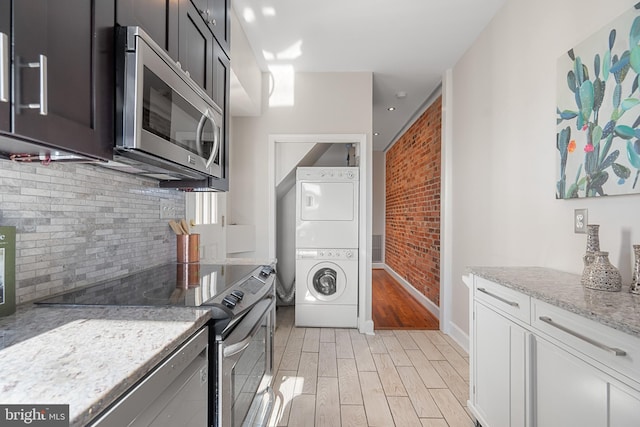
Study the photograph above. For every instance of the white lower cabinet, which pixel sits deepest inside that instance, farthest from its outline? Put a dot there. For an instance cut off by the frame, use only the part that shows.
(537, 365)
(624, 407)
(499, 367)
(568, 392)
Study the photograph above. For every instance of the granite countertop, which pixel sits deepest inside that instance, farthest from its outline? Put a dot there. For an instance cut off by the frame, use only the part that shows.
(619, 310)
(88, 356)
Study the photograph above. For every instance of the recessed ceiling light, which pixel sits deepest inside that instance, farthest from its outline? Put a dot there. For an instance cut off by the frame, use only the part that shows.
(391, 108)
(376, 133)
(248, 15)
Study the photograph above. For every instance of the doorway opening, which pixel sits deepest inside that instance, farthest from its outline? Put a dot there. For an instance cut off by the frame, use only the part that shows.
(287, 152)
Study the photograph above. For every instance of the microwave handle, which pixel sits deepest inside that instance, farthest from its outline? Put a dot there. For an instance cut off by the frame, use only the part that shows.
(203, 119)
(216, 142)
(216, 138)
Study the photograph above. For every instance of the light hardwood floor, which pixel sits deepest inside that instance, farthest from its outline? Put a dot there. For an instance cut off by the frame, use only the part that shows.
(339, 377)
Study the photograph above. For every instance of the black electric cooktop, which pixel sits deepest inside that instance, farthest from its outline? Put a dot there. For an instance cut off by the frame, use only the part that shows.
(171, 284)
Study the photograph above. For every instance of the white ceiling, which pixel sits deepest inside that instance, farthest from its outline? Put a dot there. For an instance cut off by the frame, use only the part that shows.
(407, 44)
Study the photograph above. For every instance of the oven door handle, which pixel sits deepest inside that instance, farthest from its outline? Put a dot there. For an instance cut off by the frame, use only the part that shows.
(241, 336)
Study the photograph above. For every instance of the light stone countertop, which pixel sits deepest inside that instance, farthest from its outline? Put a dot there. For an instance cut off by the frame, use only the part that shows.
(619, 310)
(87, 356)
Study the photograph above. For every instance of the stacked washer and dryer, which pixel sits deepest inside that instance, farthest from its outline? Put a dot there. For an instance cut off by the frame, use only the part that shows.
(327, 209)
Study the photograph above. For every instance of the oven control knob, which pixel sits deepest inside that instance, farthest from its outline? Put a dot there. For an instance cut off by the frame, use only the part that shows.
(229, 301)
(266, 271)
(238, 294)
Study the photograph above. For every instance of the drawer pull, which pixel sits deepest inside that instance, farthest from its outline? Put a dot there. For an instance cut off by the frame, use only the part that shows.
(604, 347)
(499, 298)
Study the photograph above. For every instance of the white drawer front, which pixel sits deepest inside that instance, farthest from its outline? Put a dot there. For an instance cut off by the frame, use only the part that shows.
(507, 300)
(610, 347)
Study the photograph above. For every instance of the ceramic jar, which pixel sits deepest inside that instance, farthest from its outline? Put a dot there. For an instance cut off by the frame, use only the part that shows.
(593, 245)
(602, 275)
(635, 279)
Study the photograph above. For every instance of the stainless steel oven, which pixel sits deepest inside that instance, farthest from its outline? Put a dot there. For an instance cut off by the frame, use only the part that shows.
(241, 299)
(245, 362)
(167, 125)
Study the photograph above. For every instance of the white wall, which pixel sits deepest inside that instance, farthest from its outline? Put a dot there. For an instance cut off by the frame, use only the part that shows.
(336, 103)
(246, 77)
(504, 155)
(378, 195)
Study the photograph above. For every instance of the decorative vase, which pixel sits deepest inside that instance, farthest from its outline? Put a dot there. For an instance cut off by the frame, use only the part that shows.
(602, 275)
(593, 240)
(593, 246)
(635, 279)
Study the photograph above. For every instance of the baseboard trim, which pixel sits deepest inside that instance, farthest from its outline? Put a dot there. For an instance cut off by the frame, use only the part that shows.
(458, 336)
(377, 265)
(426, 302)
(366, 327)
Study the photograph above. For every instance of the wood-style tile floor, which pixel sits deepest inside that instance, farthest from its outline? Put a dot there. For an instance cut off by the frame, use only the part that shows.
(339, 377)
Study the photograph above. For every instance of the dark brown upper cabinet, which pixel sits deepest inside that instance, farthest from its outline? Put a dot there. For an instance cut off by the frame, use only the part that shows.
(158, 18)
(217, 16)
(62, 74)
(196, 46)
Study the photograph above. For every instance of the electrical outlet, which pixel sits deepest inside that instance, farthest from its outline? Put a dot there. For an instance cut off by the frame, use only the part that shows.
(580, 221)
(167, 209)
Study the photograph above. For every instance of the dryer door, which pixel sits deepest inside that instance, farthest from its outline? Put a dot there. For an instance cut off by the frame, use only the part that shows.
(326, 281)
(328, 201)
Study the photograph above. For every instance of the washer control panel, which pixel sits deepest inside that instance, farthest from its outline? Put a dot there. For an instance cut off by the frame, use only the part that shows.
(337, 254)
(327, 174)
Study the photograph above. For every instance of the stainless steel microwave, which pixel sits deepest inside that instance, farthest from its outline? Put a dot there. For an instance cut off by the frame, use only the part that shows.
(167, 127)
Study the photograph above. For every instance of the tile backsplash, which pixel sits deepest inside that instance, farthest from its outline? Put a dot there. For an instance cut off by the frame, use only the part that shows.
(78, 224)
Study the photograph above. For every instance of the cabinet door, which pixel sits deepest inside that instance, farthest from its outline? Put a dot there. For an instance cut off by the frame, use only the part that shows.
(499, 369)
(220, 22)
(158, 18)
(568, 392)
(5, 61)
(217, 16)
(63, 72)
(624, 407)
(196, 46)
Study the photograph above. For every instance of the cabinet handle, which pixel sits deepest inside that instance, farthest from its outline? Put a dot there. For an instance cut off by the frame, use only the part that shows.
(612, 350)
(499, 298)
(43, 106)
(4, 67)
(44, 99)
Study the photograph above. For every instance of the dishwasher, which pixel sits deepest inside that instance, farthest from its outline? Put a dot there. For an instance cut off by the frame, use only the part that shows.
(175, 393)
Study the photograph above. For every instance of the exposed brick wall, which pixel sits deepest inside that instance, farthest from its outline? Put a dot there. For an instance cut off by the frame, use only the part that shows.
(412, 245)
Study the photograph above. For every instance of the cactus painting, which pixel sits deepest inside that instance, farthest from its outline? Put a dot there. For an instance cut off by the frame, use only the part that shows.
(598, 113)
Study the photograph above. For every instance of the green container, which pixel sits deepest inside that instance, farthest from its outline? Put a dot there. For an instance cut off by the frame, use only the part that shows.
(7, 270)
